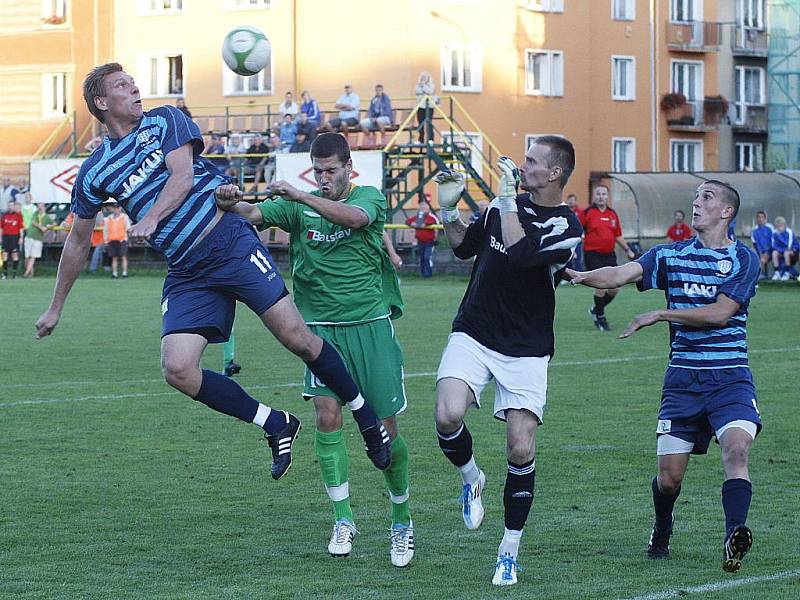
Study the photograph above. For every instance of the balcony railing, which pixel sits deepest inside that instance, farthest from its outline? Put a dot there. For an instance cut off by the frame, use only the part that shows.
(694, 36)
(750, 41)
(697, 115)
(750, 118)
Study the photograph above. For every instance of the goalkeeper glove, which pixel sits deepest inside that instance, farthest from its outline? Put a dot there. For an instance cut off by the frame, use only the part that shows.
(509, 181)
(451, 185)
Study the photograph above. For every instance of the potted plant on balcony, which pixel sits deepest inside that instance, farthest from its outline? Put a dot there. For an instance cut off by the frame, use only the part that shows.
(671, 104)
(714, 109)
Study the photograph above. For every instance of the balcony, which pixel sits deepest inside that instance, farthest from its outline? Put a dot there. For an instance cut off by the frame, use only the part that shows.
(751, 119)
(749, 41)
(693, 115)
(693, 36)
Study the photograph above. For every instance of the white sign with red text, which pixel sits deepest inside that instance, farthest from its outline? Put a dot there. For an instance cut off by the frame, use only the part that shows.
(296, 169)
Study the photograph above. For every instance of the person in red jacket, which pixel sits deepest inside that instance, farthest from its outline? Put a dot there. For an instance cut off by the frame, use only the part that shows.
(11, 226)
(679, 230)
(602, 231)
(426, 238)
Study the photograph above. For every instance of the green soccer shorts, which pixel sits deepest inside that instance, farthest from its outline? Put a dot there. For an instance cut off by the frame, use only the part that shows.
(374, 359)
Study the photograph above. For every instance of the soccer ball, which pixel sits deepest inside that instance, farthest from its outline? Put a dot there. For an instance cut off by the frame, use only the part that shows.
(246, 50)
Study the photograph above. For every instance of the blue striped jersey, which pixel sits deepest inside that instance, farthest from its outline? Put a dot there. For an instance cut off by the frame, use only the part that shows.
(693, 276)
(132, 170)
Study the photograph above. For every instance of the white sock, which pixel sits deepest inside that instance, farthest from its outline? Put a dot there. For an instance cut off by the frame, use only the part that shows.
(470, 472)
(262, 414)
(510, 543)
(356, 402)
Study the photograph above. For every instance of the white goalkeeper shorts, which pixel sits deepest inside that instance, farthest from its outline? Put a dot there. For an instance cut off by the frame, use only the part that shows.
(521, 381)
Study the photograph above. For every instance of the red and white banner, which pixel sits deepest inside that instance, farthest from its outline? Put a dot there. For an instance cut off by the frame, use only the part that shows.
(295, 168)
(52, 180)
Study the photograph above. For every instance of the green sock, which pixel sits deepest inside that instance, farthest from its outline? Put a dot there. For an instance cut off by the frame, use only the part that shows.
(335, 465)
(396, 477)
(229, 349)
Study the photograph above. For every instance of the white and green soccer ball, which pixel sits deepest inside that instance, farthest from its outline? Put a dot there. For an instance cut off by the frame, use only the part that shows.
(246, 50)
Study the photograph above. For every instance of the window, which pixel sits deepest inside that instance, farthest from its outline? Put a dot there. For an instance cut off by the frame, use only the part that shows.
(623, 155)
(255, 85)
(246, 4)
(687, 78)
(685, 155)
(160, 7)
(545, 5)
(623, 77)
(54, 95)
(54, 12)
(544, 72)
(161, 75)
(750, 13)
(749, 157)
(750, 87)
(461, 68)
(623, 10)
(684, 11)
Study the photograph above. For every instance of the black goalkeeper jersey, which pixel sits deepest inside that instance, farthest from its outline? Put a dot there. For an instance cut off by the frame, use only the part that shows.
(509, 304)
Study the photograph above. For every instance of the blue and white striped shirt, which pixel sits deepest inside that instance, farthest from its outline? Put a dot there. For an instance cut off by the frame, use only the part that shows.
(132, 170)
(693, 276)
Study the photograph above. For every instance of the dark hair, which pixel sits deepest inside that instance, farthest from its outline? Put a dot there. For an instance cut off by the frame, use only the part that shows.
(330, 144)
(761, 212)
(730, 195)
(93, 86)
(683, 214)
(562, 154)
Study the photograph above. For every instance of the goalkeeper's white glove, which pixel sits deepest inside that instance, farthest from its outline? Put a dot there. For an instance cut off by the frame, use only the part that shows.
(509, 181)
(451, 186)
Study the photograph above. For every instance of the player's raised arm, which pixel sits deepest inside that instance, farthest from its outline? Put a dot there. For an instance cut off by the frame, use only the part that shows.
(73, 258)
(607, 277)
(332, 210)
(451, 186)
(229, 198)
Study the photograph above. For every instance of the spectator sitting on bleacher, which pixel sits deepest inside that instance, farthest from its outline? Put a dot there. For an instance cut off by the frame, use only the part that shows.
(379, 114)
(288, 106)
(255, 165)
(306, 127)
(23, 185)
(8, 193)
(301, 143)
(784, 251)
(287, 131)
(310, 108)
(348, 105)
(216, 149)
(180, 104)
(679, 230)
(234, 146)
(761, 236)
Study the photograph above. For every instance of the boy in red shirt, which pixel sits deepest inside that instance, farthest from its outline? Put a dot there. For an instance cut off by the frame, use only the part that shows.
(11, 225)
(426, 238)
(679, 230)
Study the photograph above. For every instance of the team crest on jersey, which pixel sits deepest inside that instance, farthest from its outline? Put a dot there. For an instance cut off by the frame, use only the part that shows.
(724, 266)
(145, 136)
(318, 236)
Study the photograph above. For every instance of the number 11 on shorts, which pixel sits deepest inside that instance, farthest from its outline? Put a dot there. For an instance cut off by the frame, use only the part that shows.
(259, 260)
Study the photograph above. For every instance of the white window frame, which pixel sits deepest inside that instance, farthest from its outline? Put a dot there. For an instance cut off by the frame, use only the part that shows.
(756, 150)
(552, 83)
(698, 80)
(630, 154)
(740, 80)
(55, 8)
(144, 79)
(698, 157)
(630, 77)
(554, 6)
(693, 6)
(623, 10)
(529, 137)
(145, 8)
(758, 12)
(474, 139)
(55, 95)
(229, 5)
(229, 78)
(465, 52)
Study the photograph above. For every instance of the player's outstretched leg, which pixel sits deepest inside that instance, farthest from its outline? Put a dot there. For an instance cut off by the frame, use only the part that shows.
(284, 321)
(180, 360)
(737, 493)
(401, 534)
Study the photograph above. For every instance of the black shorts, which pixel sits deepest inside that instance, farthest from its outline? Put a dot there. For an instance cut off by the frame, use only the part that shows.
(10, 243)
(117, 248)
(596, 260)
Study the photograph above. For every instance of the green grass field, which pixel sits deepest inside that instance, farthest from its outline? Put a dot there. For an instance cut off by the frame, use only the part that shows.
(114, 486)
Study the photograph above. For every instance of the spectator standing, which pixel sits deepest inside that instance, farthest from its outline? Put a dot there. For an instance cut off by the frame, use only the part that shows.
(288, 106)
(784, 251)
(115, 236)
(348, 105)
(602, 231)
(287, 131)
(34, 237)
(8, 193)
(10, 229)
(180, 104)
(426, 237)
(257, 164)
(98, 244)
(215, 151)
(380, 114)
(311, 108)
(761, 236)
(679, 230)
(425, 88)
(28, 209)
(306, 127)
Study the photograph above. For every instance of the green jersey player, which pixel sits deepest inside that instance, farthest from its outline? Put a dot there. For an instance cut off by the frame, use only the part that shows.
(347, 291)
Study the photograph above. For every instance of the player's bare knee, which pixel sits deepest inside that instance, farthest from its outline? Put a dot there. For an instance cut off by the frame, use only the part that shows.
(328, 420)
(447, 418)
(736, 454)
(669, 481)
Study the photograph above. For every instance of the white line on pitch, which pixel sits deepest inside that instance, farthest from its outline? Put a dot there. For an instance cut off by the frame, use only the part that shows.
(717, 586)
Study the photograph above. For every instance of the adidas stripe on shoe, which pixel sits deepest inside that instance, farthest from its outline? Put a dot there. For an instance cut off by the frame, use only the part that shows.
(281, 446)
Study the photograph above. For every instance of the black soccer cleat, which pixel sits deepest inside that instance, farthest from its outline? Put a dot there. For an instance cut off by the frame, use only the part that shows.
(658, 546)
(231, 369)
(378, 445)
(281, 445)
(598, 320)
(736, 546)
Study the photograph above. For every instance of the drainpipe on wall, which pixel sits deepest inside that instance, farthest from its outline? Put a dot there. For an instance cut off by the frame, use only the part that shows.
(653, 90)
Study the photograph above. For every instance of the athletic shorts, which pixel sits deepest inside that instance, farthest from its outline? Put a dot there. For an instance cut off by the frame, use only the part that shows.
(596, 260)
(117, 248)
(374, 359)
(697, 403)
(229, 264)
(521, 381)
(10, 243)
(33, 248)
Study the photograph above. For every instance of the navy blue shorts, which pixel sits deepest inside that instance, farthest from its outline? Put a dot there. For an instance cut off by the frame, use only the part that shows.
(230, 264)
(695, 403)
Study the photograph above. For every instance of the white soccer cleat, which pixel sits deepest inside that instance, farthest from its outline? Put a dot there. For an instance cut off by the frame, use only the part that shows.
(785, 277)
(402, 544)
(342, 536)
(505, 570)
(776, 276)
(471, 505)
